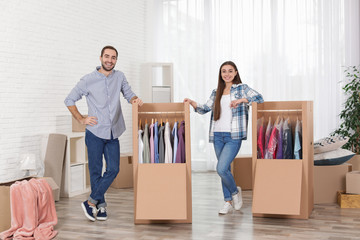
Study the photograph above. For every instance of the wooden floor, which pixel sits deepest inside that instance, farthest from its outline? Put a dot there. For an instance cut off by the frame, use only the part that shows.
(327, 221)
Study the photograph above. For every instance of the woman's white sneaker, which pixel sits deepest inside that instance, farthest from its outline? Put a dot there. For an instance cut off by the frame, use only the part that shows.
(237, 200)
(226, 208)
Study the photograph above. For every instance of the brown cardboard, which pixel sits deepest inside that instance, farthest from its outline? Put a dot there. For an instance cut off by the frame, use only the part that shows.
(159, 201)
(5, 213)
(125, 177)
(355, 162)
(54, 159)
(348, 200)
(175, 184)
(277, 187)
(353, 182)
(78, 127)
(241, 169)
(328, 180)
(302, 110)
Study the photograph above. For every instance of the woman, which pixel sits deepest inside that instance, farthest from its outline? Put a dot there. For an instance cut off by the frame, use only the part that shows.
(228, 126)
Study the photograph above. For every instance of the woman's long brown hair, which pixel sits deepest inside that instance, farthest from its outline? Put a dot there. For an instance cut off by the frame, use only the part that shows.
(221, 87)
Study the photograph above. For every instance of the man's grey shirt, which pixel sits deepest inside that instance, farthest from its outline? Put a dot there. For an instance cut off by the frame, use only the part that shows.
(103, 99)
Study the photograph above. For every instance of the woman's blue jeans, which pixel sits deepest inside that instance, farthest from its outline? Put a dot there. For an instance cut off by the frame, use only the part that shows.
(96, 147)
(226, 150)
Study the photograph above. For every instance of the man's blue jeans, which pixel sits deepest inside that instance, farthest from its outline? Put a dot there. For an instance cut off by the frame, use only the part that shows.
(226, 150)
(96, 147)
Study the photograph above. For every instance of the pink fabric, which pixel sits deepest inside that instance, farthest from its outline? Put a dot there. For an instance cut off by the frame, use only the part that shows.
(273, 141)
(33, 213)
(260, 142)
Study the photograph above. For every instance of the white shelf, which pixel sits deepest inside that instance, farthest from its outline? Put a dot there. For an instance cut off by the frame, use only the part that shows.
(76, 179)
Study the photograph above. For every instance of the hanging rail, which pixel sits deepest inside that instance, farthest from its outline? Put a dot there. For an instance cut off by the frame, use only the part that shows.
(177, 112)
(285, 110)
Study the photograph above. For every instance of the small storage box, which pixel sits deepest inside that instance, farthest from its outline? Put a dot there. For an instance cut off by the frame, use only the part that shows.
(348, 200)
(353, 182)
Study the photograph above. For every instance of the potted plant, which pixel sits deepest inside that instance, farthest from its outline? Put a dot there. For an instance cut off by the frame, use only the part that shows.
(350, 115)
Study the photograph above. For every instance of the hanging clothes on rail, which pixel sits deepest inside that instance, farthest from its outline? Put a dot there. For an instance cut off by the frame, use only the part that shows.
(174, 134)
(156, 142)
(146, 152)
(267, 138)
(287, 140)
(141, 146)
(273, 142)
(168, 148)
(180, 153)
(298, 141)
(161, 144)
(260, 138)
(152, 150)
(279, 152)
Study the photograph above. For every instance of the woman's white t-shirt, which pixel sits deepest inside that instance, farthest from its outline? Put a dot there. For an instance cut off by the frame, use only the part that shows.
(223, 124)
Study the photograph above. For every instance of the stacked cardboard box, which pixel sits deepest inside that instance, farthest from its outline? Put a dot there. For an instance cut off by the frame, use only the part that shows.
(350, 199)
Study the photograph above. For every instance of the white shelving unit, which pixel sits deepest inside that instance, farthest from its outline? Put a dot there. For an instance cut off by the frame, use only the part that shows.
(76, 178)
(158, 86)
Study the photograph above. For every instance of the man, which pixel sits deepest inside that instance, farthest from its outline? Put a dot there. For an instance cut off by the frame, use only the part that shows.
(104, 124)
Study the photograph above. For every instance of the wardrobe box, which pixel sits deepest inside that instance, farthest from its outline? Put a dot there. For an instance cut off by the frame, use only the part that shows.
(348, 200)
(78, 127)
(328, 180)
(355, 162)
(353, 182)
(241, 169)
(125, 177)
(5, 212)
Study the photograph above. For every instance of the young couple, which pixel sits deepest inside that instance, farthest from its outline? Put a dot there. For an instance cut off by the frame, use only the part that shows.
(105, 123)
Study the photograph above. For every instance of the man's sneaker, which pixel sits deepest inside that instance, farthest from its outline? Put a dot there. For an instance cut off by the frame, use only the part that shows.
(101, 215)
(90, 211)
(226, 208)
(237, 200)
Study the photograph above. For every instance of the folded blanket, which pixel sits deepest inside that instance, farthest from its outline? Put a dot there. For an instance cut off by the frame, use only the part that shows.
(33, 214)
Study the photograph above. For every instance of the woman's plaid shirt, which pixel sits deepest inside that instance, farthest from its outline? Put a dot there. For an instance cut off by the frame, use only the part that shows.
(240, 114)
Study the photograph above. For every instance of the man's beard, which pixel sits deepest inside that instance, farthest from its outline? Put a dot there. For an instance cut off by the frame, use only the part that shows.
(103, 66)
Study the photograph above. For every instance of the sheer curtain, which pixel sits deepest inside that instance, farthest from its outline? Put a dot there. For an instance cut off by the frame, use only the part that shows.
(288, 50)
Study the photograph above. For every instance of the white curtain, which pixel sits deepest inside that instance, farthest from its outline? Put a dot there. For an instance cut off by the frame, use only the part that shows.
(288, 50)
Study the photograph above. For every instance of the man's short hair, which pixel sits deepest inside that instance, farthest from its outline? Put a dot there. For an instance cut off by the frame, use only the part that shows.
(109, 47)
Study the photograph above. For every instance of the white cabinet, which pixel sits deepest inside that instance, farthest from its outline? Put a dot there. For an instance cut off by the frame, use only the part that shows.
(76, 178)
(158, 83)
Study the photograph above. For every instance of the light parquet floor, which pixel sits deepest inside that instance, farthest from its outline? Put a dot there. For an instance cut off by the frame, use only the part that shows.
(327, 221)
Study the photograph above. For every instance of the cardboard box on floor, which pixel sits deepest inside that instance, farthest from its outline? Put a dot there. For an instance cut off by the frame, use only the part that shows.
(348, 200)
(353, 182)
(125, 177)
(241, 169)
(355, 162)
(328, 180)
(5, 213)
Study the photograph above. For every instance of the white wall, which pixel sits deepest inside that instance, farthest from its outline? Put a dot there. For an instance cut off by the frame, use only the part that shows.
(45, 48)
